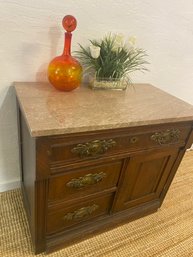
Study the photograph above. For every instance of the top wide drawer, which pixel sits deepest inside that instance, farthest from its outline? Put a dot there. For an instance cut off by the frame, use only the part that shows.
(68, 148)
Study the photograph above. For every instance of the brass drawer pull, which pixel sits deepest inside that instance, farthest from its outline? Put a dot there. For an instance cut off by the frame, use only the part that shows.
(81, 213)
(88, 179)
(166, 137)
(93, 148)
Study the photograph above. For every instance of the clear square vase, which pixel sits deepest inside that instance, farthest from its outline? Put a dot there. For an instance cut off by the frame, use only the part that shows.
(108, 83)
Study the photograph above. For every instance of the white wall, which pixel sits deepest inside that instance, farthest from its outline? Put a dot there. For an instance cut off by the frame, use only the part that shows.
(31, 35)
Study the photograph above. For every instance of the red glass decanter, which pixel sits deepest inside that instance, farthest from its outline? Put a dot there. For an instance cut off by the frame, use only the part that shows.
(64, 71)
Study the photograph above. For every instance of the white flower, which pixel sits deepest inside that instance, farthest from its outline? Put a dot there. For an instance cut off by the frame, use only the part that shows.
(95, 51)
(119, 42)
(132, 42)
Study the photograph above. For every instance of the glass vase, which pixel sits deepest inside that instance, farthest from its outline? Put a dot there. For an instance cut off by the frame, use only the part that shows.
(64, 71)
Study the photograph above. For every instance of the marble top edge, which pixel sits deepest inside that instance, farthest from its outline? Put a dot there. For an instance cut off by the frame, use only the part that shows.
(51, 112)
(55, 132)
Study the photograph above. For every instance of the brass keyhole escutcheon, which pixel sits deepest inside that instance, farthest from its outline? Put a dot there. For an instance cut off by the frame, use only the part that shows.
(134, 140)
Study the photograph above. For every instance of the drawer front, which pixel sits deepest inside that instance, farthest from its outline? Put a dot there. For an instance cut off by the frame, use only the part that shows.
(78, 183)
(73, 215)
(81, 148)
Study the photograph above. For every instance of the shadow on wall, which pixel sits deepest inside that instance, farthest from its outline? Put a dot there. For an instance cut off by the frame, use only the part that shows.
(54, 36)
(9, 157)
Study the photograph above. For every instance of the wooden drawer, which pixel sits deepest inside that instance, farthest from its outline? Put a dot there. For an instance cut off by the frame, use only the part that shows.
(77, 214)
(78, 183)
(68, 149)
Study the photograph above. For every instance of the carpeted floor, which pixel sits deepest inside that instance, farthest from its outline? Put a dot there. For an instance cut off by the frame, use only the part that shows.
(168, 232)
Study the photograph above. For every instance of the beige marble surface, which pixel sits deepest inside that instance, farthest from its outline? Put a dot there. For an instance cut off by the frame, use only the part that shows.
(51, 112)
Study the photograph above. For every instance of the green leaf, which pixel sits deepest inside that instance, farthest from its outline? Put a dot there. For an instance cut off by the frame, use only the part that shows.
(111, 63)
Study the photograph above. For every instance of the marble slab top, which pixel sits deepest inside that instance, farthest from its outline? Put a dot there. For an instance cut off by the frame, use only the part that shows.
(51, 112)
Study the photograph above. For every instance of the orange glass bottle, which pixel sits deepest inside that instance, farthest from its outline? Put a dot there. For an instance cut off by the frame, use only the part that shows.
(64, 71)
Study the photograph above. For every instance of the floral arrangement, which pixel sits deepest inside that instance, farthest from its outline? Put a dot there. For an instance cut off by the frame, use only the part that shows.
(112, 58)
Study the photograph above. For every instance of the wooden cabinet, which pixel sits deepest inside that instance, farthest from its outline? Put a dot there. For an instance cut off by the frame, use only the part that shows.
(77, 180)
(79, 187)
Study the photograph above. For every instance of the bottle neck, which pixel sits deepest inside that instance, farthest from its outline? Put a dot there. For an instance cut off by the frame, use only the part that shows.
(67, 43)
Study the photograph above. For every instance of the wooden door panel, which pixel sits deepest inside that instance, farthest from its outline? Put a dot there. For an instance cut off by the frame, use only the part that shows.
(144, 178)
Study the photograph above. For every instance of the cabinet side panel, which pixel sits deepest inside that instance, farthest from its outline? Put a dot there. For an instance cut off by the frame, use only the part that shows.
(28, 172)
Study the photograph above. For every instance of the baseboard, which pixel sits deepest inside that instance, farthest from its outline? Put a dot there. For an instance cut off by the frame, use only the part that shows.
(9, 185)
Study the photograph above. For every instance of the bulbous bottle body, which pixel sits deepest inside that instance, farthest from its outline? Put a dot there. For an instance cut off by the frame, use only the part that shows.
(65, 73)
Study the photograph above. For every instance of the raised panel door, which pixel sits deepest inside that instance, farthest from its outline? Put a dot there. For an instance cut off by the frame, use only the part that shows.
(144, 178)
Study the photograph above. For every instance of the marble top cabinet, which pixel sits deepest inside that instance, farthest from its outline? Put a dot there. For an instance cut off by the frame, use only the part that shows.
(94, 159)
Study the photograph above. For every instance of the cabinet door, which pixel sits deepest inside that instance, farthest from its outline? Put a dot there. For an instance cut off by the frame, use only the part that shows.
(144, 178)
